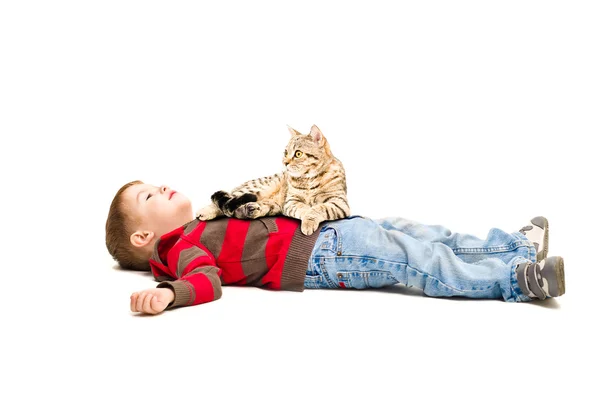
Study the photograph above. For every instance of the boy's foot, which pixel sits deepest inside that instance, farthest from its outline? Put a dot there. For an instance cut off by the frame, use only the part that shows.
(542, 280)
(537, 232)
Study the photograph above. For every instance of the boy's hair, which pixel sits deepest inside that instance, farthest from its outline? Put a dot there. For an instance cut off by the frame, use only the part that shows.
(118, 231)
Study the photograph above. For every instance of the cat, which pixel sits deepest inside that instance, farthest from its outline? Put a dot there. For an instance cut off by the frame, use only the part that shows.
(311, 188)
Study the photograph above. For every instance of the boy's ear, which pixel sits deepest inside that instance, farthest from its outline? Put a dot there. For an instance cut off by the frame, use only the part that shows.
(141, 239)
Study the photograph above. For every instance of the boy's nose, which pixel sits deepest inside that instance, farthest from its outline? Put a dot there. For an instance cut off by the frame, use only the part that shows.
(163, 188)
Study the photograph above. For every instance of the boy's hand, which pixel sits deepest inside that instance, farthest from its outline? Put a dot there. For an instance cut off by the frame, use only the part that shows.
(151, 301)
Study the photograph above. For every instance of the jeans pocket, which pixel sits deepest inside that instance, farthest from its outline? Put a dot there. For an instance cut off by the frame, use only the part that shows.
(354, 279)
(315, 282)
(366, 279)
(328, 242)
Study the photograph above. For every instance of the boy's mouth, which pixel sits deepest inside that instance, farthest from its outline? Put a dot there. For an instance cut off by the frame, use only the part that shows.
(172, 193)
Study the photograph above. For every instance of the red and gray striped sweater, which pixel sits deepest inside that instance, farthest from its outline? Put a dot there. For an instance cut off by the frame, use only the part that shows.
(197, 258)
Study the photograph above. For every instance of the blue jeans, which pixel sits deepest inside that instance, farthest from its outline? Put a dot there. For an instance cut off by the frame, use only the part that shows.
(365, 253)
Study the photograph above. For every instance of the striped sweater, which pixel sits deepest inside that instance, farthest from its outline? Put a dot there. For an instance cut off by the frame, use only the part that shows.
(197, 258)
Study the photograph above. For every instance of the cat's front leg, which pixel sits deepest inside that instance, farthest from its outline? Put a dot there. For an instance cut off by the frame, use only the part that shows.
(259, 209)
(209, 212)
(310, 221)
(336, 208)
(309, 217)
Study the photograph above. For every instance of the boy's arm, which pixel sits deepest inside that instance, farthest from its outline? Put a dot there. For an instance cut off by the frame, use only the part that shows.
(197, 278)
(201, 284)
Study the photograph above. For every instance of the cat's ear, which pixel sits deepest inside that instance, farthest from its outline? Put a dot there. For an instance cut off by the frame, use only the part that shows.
(316, 135)
(293, 131)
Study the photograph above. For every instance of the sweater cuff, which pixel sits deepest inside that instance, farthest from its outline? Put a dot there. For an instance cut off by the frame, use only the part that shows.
(182, 291)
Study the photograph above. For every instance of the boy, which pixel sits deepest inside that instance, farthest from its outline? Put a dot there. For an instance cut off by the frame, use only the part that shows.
(153, 228)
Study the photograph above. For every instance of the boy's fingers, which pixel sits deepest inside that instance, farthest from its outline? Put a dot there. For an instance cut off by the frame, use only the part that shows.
(132, 300)
(157, 306)
(143, 304)
(147, 304)
(154, 305)
(139, 306)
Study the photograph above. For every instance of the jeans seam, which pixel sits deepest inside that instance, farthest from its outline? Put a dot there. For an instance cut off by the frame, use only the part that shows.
(532, 254)
(499, 248)
(325, 272)
(512, 283)
(408, 266)
(437, 279)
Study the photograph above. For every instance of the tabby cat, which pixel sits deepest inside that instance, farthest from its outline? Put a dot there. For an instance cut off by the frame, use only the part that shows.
(311, 188)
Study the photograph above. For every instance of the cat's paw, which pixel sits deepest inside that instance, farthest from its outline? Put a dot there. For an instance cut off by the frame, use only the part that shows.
(207, 213)
(236, 202)
(248, 211)
(310, 223)
(220, 198)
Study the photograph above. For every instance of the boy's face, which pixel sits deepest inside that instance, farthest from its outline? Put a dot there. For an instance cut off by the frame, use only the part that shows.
(155, 211)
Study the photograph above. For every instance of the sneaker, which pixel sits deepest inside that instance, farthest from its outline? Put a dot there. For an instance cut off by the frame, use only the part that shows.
(537, 232)
(552, 271)
(545, 279)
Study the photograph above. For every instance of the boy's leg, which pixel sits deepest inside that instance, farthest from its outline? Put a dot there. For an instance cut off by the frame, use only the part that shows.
(360, 253)
(472, 249)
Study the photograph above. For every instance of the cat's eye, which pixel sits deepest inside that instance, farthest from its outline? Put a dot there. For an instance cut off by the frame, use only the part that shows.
(298, 154)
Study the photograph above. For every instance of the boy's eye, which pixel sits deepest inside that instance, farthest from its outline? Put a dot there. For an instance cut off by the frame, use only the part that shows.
(149, 195)
(298, 154)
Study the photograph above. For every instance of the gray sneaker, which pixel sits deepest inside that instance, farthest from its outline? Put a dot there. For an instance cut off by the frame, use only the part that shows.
(537, 232)
(545, 279)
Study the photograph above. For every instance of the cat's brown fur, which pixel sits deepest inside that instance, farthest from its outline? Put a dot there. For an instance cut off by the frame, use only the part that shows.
(311, 188)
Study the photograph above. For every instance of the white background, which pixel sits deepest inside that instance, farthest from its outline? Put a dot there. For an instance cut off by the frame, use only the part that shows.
(470, 114)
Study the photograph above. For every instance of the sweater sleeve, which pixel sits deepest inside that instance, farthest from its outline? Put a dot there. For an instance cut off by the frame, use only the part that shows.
(198, 278)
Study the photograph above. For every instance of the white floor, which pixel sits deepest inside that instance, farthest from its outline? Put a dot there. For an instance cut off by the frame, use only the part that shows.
(460, 114)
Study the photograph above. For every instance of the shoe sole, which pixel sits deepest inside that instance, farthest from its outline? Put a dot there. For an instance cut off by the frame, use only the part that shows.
(554, 268)
(542, 222)
(559, 270)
